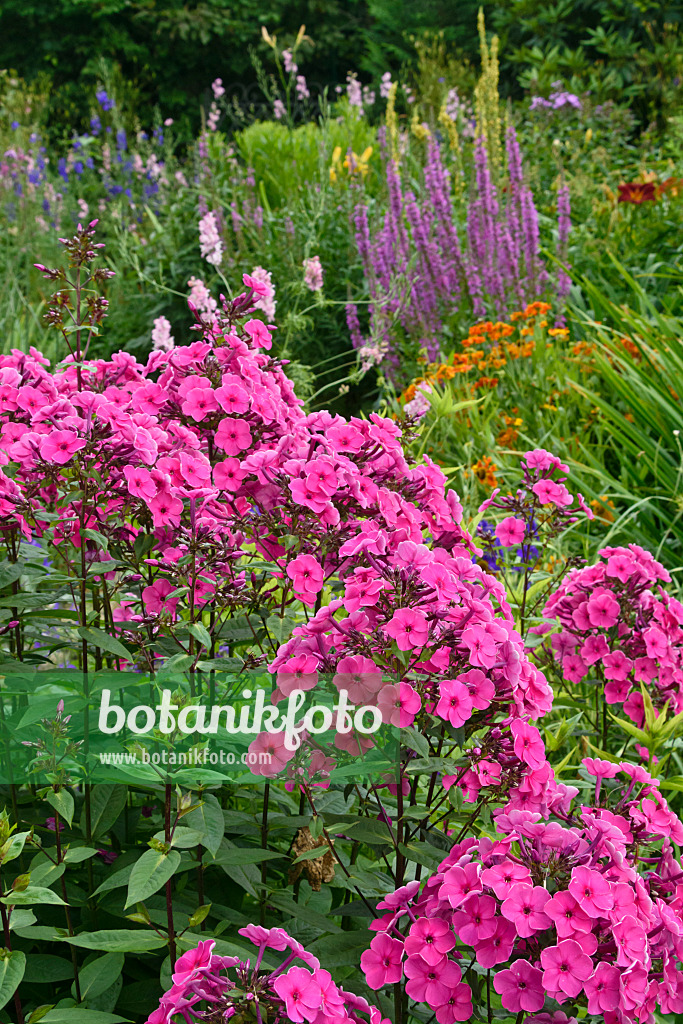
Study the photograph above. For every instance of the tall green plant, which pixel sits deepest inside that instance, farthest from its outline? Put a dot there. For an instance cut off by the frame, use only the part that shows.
(640, 359)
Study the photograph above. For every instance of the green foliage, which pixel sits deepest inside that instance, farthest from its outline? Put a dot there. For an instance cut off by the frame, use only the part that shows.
(640, 398)
(623, 50)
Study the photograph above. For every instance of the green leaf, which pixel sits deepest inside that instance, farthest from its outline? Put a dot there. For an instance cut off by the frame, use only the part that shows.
(99, 975)
(118, 940)
(13, 847)
(199, 632)
(416, 741)
(98, 638)
(43, 969)
(115, 881)
(32, 895)
(77, 854)
(237, 855)
(63, 803)
(208, 819)
(632, 730)
(149, 873)
(422, 853)
(106, 803)
(12, 967)
(183, 838)
(200, 914)
(314, 854)
(79, 1015)
(10, 572)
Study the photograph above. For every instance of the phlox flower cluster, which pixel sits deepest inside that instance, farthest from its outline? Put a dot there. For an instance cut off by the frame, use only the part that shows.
(583, 909)
(417, 628)
(210, 243)
(313, 273)
(540, 509)
(619, 623)
(210, 987)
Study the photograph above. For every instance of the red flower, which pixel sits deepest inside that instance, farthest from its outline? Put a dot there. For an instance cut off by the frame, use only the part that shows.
(637, 192)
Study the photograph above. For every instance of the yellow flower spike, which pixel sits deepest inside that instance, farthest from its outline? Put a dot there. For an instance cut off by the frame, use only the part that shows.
(366, 154)
(270, 40)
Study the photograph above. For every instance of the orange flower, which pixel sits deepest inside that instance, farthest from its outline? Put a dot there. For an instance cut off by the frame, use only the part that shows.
(485, 472)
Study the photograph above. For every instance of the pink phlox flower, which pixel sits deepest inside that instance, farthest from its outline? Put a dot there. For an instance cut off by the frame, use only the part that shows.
(259, 334)
(565, 969)
(520, 987)
(233, 436)
(228, 474)
(475, 921)
(268, 754)
(307, 577)
(193, 962)
(496, 949)
(232, 397)
(60, 446)
(155, 597)
(299, 673)
(603, 989)
(381, 964)
(592, 891)
(548, 492)
(502, 877)
(511, 531)
(455, 703)
(300, 992)
(524, 907)
(567, 916)
(399, 703)
(431, 939)
(459, 883)
(528, 745)
(409, 628)
(603, 609)
(140, 482)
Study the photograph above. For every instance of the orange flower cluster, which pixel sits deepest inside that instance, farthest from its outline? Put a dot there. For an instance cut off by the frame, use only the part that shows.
(487, 349)
(485, 472)
(508, 437)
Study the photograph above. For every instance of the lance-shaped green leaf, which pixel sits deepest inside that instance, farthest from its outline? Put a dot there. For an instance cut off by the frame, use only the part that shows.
(150, 872)
(12, 967)
(98, 638)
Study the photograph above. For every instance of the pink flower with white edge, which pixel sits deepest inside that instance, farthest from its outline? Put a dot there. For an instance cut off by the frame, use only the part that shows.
(60, 446)
(193, 962)
(409, 628)
(511, 531)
